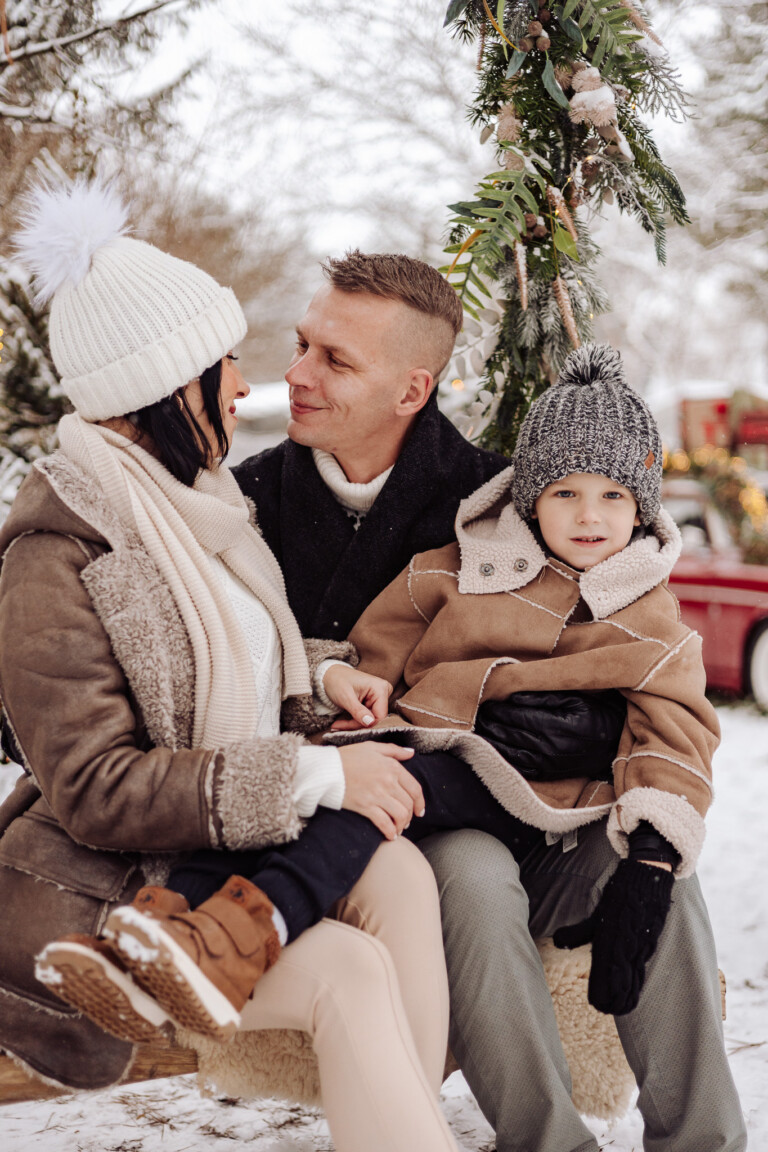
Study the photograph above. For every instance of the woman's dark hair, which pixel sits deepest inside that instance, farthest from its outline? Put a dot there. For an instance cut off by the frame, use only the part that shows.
(180, 441)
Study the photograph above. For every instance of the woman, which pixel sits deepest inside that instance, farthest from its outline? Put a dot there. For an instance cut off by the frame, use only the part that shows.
(145, 649)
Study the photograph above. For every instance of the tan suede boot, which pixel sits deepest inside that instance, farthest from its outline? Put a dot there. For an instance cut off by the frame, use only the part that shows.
(87, 973)
(200, 966)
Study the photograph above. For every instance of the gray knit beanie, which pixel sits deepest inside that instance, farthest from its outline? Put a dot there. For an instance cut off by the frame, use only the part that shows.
(590, 420)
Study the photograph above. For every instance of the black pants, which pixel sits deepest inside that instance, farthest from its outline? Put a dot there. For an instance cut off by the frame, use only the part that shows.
(305, 877)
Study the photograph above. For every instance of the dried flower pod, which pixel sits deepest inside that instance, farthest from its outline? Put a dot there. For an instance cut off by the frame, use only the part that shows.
(514, 162)
(564, 75)
(540, 231)
(574, 197)
(525, 45)
(594, 106)
(589, 169)
(559, 206)
(544, 15)
(543, 43)
(521, 270)
(579, 65)
(508, 126)
(566, 310)
(530, 220)
(587, 79)
(535, 29)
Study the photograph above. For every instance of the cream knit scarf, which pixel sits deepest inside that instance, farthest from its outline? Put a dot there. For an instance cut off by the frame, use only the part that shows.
(180, 527)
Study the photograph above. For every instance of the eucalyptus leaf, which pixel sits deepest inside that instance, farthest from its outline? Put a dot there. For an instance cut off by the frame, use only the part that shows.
(455, 9)
(486, 133)
(571, 29)
(500, 12)
(552, 86)
(515, 63)
(565, 243)
(569, 8)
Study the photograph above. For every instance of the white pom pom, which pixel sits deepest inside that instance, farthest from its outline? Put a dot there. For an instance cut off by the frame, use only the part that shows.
(62, 228)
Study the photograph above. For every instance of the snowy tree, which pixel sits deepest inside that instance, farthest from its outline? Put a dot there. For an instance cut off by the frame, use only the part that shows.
(731, 130)
(60, 111)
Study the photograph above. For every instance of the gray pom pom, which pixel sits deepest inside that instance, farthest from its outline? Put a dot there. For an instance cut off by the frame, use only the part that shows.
(593, 364)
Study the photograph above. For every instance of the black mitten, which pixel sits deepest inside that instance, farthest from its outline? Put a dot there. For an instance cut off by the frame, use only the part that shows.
(624, 930)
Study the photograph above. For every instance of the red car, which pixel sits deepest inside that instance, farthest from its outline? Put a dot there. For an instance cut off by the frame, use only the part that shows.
(725, 600)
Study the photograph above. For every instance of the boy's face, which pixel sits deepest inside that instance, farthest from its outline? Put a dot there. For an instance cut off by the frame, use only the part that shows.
(585, 518)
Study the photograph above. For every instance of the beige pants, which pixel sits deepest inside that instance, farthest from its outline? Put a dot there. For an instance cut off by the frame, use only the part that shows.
(375, 1003)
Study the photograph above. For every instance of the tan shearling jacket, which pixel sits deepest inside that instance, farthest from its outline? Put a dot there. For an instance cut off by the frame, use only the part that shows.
(97, 684)
(491, 614)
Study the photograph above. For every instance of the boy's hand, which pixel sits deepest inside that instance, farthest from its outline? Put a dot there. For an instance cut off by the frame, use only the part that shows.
(379, 786)
(623, 930)
(364, 697)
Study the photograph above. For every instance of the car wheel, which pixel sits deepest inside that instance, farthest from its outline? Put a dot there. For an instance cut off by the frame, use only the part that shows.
(757, 666)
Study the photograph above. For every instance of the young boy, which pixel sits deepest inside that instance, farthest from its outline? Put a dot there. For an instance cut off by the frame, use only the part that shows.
(556, 585)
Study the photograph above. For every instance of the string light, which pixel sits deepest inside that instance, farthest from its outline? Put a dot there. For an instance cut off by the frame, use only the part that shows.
(457, 385)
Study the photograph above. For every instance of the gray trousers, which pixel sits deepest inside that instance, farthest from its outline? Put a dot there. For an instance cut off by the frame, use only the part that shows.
(503, 1029)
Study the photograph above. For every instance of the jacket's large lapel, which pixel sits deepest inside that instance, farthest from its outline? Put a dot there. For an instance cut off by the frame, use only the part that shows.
(315, 532)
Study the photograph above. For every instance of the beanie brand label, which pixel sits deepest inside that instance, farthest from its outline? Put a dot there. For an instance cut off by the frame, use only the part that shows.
(649, 460)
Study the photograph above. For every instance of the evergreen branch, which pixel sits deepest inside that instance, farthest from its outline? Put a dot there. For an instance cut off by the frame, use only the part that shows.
(46, 46)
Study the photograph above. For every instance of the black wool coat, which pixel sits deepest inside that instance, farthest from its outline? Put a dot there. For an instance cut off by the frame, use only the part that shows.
(333, 571)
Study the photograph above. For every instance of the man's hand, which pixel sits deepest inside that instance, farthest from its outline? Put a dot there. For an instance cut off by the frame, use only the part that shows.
(623, 930)
(364, 697)
(378, 786)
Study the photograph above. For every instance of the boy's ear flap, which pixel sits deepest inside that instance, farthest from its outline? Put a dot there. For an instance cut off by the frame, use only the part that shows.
(637, 520)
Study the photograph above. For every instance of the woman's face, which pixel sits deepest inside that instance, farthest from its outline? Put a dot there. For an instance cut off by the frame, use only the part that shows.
(233, 387)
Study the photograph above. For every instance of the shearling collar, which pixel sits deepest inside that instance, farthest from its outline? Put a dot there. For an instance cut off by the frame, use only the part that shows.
(499, 553)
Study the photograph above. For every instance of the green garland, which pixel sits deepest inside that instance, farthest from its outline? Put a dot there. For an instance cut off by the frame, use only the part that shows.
(742, 503)
(562, 85)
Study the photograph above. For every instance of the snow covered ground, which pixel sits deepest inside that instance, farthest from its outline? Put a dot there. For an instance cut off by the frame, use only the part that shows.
(170, 1116)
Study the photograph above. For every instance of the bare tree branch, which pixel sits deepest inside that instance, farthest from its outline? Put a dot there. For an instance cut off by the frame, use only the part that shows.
(88, 33)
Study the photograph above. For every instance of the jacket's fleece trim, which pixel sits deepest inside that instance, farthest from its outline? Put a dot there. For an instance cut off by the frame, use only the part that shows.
(510, 788)
(253, 792)
(259, 1064)
(319, 650)
(137, 610)
(671, 815)
(499, 553)
(299, 713)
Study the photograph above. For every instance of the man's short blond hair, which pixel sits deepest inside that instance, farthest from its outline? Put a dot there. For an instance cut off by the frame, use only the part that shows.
(413, 282)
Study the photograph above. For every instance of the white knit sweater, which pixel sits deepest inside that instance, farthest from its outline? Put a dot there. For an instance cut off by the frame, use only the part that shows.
(319, 775)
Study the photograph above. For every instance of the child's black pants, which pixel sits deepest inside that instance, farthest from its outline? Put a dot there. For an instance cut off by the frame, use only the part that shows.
(305, 877)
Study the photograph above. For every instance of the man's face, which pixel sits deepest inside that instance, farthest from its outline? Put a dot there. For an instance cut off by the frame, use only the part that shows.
(350, 370)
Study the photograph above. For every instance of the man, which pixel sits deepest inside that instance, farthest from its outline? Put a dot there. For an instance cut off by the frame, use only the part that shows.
(371, 474)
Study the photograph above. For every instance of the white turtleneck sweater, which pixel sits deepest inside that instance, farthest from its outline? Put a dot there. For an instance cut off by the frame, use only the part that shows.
(355, 499)
(319, 774)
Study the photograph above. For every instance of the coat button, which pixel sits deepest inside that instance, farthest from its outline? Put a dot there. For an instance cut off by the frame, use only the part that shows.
(521, 565)
(487, 569)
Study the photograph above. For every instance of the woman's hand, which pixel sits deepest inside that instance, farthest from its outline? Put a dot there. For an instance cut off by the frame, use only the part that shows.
(378, 786)
(364, 697)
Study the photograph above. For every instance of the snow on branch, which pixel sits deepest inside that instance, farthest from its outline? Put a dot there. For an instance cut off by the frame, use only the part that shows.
(87, 34)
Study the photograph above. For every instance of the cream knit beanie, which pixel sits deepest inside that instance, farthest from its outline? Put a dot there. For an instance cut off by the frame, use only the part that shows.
(129, 324)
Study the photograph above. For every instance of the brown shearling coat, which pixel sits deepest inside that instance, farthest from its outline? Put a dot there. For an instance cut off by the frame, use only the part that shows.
(491, 614)
(97, 683)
